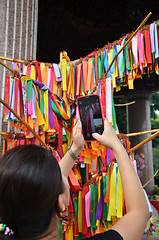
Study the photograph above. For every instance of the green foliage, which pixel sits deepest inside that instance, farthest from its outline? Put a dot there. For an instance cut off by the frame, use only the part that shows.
(155, 125)
(154, 106)
(156, 163)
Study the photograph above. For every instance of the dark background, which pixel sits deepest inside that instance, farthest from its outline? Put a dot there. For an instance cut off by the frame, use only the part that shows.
(80, 26)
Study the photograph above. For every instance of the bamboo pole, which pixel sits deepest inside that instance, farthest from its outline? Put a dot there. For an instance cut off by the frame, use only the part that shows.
(12, 60)
(143, 142)
(3, 133)
(26, 124)
(140, 133)
(132, 35)
(13, 135)
(16, 73)
(123, 104)
(150, 179)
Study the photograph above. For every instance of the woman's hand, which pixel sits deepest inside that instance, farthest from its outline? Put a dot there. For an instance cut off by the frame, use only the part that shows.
(108, 138)
(67, 162)
(78, 140)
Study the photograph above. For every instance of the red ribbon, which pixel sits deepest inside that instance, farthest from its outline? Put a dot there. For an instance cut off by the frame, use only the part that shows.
(148, 47)
(37, 70)
(16, 94)
(84, 222)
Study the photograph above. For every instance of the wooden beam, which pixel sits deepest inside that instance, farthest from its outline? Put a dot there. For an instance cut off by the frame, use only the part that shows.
(143, 142)
(15, 73)
(140, 133)
(12, 60)
(26, 124)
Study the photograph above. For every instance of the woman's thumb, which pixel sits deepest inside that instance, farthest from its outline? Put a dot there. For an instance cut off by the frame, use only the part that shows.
(96, 136)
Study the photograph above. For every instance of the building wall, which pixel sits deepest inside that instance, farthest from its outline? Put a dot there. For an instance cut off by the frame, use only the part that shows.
(18, 36)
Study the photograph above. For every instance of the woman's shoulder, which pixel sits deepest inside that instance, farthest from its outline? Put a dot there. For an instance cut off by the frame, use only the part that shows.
(109, 235)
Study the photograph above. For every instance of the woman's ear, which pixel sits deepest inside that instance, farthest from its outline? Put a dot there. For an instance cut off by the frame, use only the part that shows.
(60, 203)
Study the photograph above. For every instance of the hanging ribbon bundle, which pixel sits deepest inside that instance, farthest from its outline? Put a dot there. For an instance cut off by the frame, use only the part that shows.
(12, 141)
(35, 104)
(9, 143)
(71, 79)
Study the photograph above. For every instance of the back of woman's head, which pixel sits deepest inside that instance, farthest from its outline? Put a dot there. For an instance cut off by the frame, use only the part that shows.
(30, 183)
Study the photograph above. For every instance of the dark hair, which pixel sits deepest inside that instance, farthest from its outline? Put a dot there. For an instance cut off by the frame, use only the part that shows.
(30, 183)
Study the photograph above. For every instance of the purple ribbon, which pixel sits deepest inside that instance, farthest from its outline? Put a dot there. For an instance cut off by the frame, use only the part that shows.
(51, 121)
(33, 140)
(108, 156)
(100, 207)
(15, 65)
(73, 108)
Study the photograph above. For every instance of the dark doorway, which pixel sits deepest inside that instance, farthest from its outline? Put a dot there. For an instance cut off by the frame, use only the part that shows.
(79, 27)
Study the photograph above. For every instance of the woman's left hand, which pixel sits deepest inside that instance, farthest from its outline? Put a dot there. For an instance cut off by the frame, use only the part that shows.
(78, 140)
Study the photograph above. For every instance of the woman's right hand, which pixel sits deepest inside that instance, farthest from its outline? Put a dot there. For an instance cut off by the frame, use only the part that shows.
(108, 138)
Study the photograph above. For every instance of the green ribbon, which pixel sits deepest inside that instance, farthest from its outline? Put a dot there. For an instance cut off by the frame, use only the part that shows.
(75, 202)
(153, 62)
(100, 70)
(29, 89)
(133, 59)
(55, 110)
(121, 79)
(93, 206)
(60, 230)
(99, 164)
(42, 103)
(80, 237)
(104, 193)
(122, 66)
(64, 135)
(113, 114)
(128, 57)
(102, 62)
(64, 138)
(82, 82)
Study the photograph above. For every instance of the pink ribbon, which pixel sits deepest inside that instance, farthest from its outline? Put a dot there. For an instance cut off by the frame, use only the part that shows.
(87, 208)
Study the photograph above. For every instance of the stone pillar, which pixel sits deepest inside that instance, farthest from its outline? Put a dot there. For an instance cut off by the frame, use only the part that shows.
(18, 35)
(138, 115)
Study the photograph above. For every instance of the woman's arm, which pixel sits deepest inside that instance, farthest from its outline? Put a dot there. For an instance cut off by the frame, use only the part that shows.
(132, 225)
(67, 161)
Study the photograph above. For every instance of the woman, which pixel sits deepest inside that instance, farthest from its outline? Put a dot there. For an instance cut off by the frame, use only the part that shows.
(33, 191)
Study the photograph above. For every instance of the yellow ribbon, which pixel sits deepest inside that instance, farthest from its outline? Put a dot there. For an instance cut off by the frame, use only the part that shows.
(80, 211)
(99, 193)
(119, 197)
(112, 199)
(32, 71)
(64, 75)
(40, 120)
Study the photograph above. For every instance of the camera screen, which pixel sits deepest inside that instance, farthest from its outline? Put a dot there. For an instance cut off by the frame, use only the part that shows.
(91, 116)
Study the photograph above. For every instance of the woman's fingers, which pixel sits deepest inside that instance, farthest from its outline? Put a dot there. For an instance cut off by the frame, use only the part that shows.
(97, 136)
